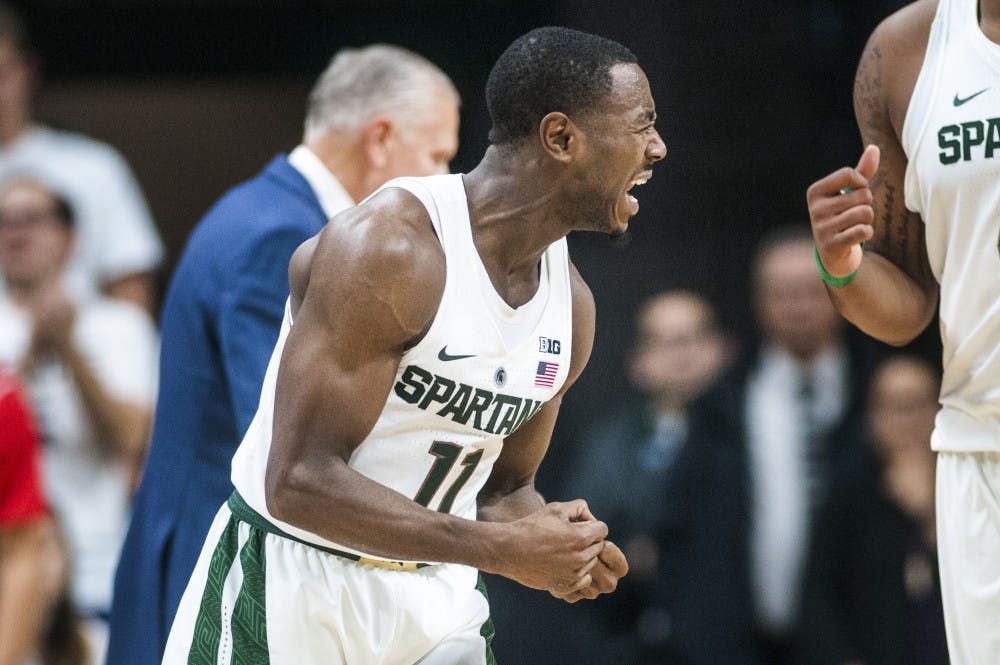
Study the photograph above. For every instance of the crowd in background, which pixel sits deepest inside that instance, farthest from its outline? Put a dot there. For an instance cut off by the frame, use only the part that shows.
(774, 496)
(771, 485)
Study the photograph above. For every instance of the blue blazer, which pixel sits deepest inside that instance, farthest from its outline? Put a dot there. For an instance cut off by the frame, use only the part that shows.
(220, 321)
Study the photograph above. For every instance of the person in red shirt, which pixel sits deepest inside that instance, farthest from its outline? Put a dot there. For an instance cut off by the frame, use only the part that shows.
(29, 549)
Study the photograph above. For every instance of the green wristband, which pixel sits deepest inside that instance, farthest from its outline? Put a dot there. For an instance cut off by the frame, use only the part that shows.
(829, 279)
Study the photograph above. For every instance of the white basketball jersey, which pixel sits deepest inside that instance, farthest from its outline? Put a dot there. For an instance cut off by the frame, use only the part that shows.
(481, 371)
(952, 140)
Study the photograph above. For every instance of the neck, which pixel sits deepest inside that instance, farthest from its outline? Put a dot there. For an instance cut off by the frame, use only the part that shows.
(342, 155)
(669, 404)
(514, 213)
(515, 201)
(989, 19)
(814, 351)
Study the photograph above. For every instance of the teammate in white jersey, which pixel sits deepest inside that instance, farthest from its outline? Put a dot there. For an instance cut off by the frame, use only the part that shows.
(429, 337)
(925, 200)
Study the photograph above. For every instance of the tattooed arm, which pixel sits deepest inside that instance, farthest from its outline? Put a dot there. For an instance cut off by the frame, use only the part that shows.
(894, 295)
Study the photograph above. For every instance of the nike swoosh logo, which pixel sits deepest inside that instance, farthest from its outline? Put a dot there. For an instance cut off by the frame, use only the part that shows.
(958, 101)
(444, 356)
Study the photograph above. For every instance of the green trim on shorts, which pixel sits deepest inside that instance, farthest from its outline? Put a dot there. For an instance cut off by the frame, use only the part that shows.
(249, 622)
(488, 630)
(208, 625)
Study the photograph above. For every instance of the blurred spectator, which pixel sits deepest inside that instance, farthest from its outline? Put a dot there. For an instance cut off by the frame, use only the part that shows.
(118, 248)
(64, 640)
(28, 550)
(670, 495)
(375, 113)
(872, 594)
(792, 405)
(89, 364)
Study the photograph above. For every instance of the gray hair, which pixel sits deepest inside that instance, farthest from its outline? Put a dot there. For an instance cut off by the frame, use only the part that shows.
(363, 82)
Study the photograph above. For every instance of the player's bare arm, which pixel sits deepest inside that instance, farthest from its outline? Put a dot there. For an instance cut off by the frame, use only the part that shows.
(375, 280)
(894, 294)
(510, 492)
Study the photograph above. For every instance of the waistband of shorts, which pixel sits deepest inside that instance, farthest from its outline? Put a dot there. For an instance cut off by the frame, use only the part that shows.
(243, 512)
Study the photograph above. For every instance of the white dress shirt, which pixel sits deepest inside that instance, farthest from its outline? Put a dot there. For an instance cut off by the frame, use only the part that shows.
(333, 198)
(776, 431)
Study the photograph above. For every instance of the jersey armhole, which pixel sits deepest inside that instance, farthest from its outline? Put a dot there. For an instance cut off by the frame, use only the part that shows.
(921, 103)
(422, 194)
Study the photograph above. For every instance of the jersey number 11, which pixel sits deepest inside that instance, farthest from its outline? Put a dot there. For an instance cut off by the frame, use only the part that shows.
(446, 454)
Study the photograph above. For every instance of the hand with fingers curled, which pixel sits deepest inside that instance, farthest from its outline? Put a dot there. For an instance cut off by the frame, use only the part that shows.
(561, 548)
(841, 213)
(609, 567)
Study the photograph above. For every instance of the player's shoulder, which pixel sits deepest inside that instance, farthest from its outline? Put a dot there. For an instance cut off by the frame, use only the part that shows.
(890, 66)
(385, 247)
(584, 313)
(905, 31)
(392, 228)
(584, 308)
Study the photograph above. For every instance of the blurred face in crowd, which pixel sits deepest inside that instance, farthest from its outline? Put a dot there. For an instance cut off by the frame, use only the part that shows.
(793, 309)
(420, 145)
(903, 404)
(678, 351)
(426, 147)
(34, 242)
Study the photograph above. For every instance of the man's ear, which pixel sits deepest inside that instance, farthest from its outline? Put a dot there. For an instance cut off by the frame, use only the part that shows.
(560, 137)
(376, 139)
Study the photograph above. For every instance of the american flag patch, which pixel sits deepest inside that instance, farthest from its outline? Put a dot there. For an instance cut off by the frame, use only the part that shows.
(546, 374)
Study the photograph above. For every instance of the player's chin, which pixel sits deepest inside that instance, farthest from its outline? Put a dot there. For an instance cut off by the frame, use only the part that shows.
(619, 222)
(618, 232)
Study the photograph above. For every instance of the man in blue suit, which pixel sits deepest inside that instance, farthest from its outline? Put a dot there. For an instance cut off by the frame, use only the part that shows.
(376, 113)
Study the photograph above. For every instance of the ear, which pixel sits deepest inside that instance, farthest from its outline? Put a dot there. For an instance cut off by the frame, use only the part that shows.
(376, 139)
(560, 137)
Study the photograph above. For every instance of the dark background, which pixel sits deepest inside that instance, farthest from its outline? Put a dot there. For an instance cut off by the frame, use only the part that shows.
(754, 100)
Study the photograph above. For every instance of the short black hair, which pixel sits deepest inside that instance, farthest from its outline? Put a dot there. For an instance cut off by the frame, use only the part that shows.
(549, 69)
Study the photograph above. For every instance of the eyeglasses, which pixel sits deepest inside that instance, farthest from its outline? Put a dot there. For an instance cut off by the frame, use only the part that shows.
(27, 219)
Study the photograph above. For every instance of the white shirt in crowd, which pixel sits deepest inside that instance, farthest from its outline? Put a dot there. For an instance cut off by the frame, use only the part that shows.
(87, 489)
(115, 232)
(779, 470)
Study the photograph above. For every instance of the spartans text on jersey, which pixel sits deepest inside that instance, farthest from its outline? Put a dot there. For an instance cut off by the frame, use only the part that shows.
(490, 412)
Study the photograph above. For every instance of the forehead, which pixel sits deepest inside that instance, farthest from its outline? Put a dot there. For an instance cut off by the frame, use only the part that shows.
(788, 259)
(675, 311)
(630, 94)
(24, 194)
(438, 118)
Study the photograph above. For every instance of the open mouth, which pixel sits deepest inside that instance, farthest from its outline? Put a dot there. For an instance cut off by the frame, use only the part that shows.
(637, 181)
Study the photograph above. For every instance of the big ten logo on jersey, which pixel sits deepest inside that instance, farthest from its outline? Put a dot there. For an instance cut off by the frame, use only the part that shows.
(546, 345)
